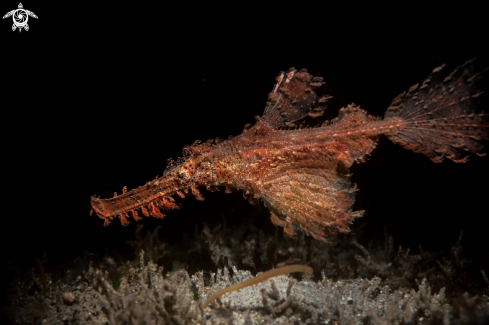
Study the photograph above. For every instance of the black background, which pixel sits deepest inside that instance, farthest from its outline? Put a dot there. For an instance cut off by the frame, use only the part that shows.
(98, 96)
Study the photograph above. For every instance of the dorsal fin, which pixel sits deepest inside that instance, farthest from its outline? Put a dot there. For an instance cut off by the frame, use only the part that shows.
(293, 98)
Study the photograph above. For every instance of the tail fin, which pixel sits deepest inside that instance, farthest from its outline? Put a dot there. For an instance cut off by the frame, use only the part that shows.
(440, 118)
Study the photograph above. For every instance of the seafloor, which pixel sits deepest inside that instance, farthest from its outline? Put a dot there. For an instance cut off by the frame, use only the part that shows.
(353, 283)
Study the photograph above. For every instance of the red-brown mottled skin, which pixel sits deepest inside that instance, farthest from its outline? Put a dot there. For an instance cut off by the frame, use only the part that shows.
(302, 174)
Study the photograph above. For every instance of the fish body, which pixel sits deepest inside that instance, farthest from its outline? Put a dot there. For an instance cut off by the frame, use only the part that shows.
(302, 174)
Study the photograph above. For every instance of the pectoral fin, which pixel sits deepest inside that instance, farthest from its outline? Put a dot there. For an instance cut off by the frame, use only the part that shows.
(316, 201)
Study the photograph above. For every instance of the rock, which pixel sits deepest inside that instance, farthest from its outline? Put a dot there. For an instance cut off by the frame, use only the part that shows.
(68, 298)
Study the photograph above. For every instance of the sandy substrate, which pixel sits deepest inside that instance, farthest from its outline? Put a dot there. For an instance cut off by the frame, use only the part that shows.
(167, 285)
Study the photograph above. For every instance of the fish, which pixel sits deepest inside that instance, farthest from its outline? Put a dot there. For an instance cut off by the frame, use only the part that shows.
(302, 174)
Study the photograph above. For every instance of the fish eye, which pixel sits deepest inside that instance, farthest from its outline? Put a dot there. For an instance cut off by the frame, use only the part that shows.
(180, 175)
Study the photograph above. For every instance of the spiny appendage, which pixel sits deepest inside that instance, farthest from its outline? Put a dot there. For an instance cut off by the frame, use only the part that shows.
(293, 98)
(440, 117)
(181, 178)
(149, 199)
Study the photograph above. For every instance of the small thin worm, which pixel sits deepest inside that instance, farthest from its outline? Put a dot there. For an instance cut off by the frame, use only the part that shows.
(259, 278)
